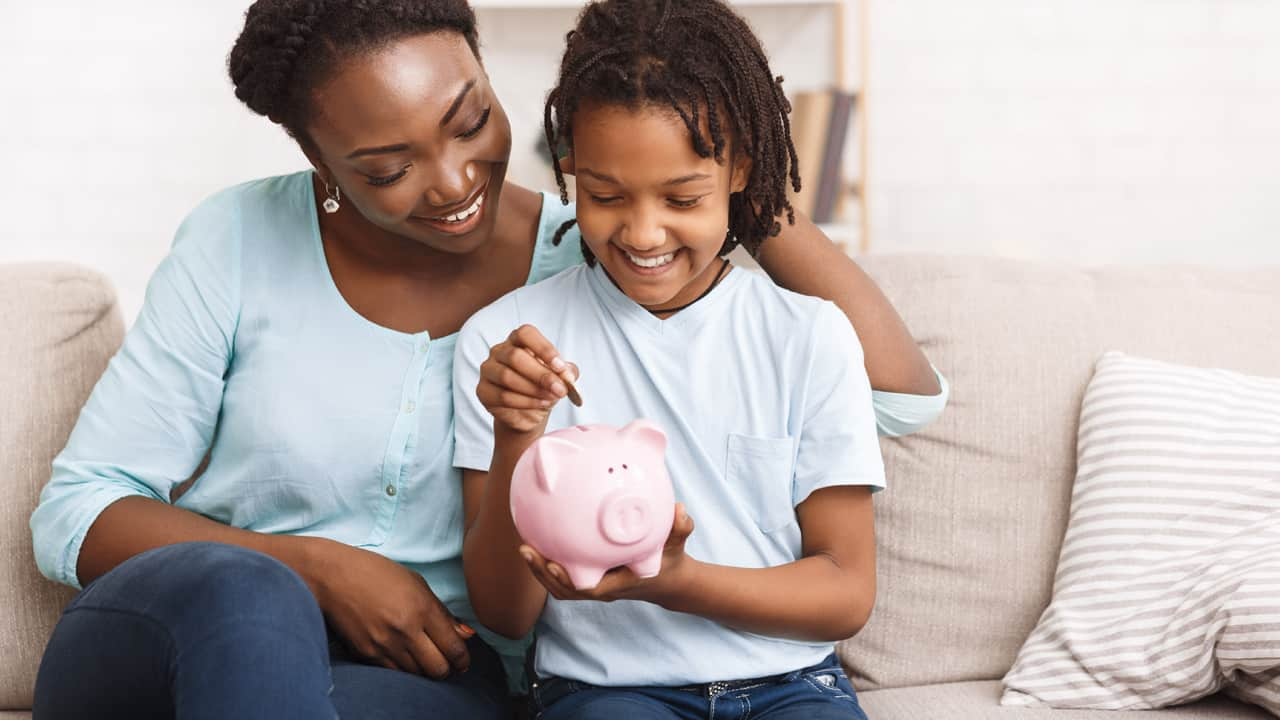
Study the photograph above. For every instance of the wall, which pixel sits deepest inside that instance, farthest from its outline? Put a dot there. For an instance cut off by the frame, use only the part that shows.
(118, 118)
(1091, 131)
(1084, 130)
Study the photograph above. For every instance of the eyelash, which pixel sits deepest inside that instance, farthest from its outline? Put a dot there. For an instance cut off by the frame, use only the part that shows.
(682, 204)
(388, 179)
(484, 120)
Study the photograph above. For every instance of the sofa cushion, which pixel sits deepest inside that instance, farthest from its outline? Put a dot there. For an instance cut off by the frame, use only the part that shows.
(1167, 585)
(969, 530)
(981, 701)
(59, 326)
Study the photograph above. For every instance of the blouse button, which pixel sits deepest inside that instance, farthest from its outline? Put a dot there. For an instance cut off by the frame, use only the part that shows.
(391, 490)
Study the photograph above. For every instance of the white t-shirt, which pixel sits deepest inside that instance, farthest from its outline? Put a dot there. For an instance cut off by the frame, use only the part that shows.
(764, 398)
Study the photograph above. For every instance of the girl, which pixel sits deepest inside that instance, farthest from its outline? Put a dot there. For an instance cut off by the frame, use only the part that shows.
(676, 128)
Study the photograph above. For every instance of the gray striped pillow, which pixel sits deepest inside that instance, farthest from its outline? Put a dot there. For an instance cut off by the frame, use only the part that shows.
(1168, 583)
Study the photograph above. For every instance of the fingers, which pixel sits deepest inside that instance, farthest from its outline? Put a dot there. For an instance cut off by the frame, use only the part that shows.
(530, 338)
(441, 635)
(682, 527)
(556, 582)
(428, 657)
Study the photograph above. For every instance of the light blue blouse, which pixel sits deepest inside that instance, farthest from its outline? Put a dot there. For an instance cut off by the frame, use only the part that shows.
(321, 422)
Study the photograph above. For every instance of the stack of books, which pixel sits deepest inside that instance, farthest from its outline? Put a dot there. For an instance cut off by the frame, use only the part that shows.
(820, 122)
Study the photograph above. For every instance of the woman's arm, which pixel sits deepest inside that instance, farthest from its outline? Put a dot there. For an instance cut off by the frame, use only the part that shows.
(803, 260)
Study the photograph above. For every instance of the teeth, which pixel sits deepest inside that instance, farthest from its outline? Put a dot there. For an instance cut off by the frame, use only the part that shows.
(652, 262)
(459, 217)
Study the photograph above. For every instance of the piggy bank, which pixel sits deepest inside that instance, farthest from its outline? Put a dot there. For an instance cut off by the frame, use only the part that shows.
(595, 497)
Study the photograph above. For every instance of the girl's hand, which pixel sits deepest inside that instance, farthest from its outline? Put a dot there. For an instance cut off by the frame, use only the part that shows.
(621, 583)
(386, 613)
(522, 379)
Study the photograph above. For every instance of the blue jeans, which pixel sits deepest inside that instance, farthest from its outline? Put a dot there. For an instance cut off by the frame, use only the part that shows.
(205, 630)
(820, 692)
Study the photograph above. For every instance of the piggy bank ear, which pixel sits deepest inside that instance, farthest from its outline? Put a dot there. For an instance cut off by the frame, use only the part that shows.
(646, 434)
(551, 454)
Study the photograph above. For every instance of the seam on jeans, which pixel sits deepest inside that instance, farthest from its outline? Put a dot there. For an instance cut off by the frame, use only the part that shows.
(128, 613)
(747, 700)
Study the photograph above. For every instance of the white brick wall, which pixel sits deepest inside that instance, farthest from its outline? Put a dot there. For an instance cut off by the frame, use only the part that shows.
(1091, 131)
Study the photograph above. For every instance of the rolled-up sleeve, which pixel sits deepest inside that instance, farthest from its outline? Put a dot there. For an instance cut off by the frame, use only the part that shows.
(903, 413)
(151, 417)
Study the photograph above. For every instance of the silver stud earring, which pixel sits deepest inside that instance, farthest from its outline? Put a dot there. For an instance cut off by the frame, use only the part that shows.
(331, 203)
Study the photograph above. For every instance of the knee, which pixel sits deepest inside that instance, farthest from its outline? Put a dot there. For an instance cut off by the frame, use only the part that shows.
(220, 573)
(212, 581)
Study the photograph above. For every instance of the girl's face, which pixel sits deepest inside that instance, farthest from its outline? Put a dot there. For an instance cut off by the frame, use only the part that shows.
(417, 141)
(651, 210)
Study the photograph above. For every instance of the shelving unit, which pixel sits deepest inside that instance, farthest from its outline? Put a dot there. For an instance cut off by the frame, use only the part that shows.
(852, 232)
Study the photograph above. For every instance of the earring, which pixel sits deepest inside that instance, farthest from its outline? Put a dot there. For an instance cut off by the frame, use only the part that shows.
(331, 203)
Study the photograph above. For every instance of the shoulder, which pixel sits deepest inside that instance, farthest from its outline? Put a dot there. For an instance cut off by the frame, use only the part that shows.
(533, 304)
(224, 216)
(781, 307)
(800, 321)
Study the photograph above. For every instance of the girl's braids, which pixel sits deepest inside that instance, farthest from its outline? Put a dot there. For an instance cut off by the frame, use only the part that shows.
(289, 47)
(692, 57)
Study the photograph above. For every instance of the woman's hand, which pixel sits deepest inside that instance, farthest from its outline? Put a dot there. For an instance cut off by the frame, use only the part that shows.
(522, 379)
(386, 613)
(621, 583)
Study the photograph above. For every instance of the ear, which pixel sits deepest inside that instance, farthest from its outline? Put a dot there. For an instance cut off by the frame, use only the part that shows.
(647, 434)
(550, 454)
(313, 157)
(741, 173)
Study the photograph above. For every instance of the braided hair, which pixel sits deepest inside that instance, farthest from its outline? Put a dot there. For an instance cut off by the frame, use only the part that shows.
(692, 57)
(289, 47)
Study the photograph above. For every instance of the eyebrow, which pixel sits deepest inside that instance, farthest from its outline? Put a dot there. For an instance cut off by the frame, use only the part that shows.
(457, 103)
(673, 181)
(401, 147)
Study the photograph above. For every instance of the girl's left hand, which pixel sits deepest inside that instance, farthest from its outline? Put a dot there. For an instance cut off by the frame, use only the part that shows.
(621, 583)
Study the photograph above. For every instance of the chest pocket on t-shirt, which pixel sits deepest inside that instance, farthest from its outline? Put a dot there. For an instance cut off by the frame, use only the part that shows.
(759, 471)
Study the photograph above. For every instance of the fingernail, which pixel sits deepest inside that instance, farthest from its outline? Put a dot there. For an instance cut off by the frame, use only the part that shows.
(545, 403)
(557, 364)
(528, 556)
(465, 629)
(558, 388)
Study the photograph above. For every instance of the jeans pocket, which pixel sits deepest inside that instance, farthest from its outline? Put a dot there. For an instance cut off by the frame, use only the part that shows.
(831, 682)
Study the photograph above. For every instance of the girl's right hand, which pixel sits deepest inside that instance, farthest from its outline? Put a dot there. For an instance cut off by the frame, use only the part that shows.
(386, 613)
(522, 379)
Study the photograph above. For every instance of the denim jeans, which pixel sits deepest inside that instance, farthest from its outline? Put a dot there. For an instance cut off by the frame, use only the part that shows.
(820, 692)
(205, 630)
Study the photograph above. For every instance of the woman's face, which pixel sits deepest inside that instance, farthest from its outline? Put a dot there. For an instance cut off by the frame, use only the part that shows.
(417, 141)
(651, 210)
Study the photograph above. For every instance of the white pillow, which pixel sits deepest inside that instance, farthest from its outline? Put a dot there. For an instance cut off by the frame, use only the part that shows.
(1168, 583)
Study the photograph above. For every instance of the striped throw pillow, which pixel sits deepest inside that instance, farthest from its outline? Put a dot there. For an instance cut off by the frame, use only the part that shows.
(1168, 583)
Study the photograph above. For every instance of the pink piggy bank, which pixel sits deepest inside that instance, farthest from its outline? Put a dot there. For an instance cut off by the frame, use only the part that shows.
(593, 497)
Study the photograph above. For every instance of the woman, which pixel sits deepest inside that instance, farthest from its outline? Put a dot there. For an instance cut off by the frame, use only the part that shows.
(299, 339)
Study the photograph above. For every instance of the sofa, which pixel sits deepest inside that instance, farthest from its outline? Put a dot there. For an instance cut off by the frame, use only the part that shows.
(976, 506)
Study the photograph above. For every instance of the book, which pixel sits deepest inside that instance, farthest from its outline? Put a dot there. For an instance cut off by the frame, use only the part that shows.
(831, 179)
(810, 121)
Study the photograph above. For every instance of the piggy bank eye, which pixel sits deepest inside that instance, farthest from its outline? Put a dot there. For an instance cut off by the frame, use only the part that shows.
(624, 466)
(610, 471)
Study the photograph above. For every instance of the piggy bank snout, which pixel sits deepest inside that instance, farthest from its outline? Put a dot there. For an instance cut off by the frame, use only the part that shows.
(626, 518)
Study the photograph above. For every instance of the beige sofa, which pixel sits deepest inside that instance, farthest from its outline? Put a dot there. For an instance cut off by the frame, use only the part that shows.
(969, 528)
